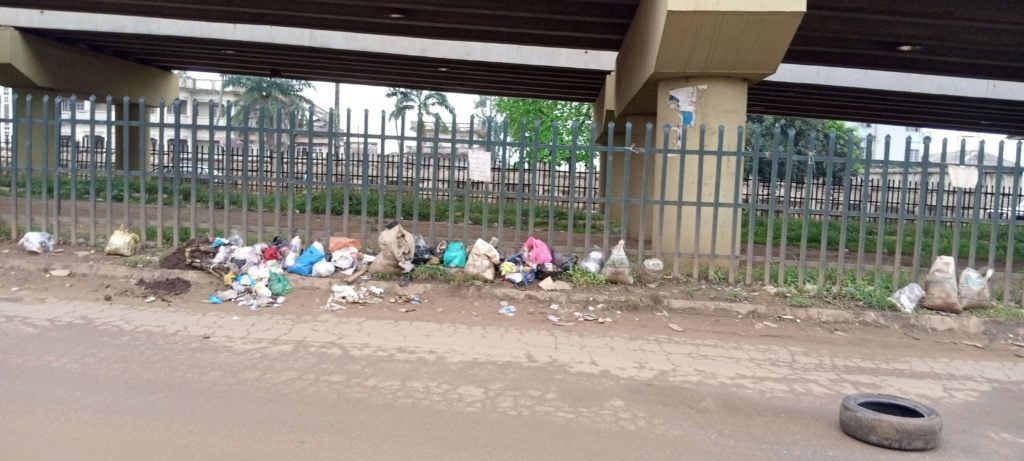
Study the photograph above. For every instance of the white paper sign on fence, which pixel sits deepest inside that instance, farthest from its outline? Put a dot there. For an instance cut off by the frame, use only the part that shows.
(480, 165)
(964, 177)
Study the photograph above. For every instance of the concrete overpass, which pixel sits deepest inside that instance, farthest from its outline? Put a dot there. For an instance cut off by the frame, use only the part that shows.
(931, 62)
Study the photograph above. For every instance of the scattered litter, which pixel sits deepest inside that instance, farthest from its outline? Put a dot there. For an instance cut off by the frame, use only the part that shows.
(969, 343)
(651, 271)
(60, 273)
(675, 327)
(1017, 344)
(406, 310)
(149, 299)
(837, 332)
(397, 250)
(481, 261)
(593, 261)
(554, 307)
(564, 324)
(549, 284)
(123, 242)
(974, 292)
(581, 317)
(506, 310)
(787, 317)
(37, 242)
(214, 299)
(604, 320)
(536, 252)
(616, 270)
(15, 289)
(377, 291)
(554, 318)
(770, 324)
(940, 287)
(82, 254)
(455, 255)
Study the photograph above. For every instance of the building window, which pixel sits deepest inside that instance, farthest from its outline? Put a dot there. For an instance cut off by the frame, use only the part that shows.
(915, 155)
(182, 145)
(178, 102)
(65, 106)
(92, 142)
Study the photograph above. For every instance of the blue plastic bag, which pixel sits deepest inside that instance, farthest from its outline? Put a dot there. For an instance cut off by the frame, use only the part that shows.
(304, 265)
(455, 255)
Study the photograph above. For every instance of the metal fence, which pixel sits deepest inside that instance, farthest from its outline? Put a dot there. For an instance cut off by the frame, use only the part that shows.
(755, 213)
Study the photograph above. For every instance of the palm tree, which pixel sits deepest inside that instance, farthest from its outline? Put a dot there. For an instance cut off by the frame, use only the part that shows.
(270, 95)
(423, 103)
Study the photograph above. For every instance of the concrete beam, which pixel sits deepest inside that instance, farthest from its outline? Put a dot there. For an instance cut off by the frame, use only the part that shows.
(34, 62)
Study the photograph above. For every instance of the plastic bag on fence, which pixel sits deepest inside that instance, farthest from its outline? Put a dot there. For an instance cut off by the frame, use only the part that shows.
(537, 251)
(594, 261)
(323, 268)
(940, 287)
(455, 255)
(651, 271)
(122, 242)
(337, 243)
(616, 270)
(279, 284)
(304, 263)
(974, 292)
(37, 242)
(906, 298)
(481, 261)
(396, 251)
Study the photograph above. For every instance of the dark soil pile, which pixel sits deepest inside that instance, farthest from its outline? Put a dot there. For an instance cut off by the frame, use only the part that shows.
(197, 248)
(172, 286)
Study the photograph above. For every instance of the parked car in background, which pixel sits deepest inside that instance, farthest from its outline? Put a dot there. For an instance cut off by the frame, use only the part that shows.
(1007, 212)
(187, 170)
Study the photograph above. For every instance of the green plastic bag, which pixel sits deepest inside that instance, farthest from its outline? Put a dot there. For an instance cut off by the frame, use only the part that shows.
(279, 284)
(455, 255)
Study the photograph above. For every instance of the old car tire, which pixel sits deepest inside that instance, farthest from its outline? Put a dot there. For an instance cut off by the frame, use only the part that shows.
(889, 421)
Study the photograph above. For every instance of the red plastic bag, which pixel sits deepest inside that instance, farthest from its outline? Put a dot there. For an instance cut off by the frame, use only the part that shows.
(271, 254)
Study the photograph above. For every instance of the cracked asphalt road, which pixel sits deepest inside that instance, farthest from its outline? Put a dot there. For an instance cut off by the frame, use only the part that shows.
(82, 380)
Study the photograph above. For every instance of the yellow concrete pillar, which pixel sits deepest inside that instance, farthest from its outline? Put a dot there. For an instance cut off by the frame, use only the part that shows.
(716, 102)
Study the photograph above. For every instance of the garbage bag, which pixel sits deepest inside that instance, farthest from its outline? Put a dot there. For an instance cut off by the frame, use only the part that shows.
(270, 253)
(37, 242)
(974, 292)
(651, 271)
(455, 255)
(279, 284)
(396, 251)
(537, 252)
(423, 253)
(481, 261)
(236, 239)
(940, 287)
(345, 258)
(323, 268)
(337, 243)
(223, 255)
(304, 263)
(243, 258)
(122, 242)
(594, 261)
(562, 262)
(906, 298)
(616, 270)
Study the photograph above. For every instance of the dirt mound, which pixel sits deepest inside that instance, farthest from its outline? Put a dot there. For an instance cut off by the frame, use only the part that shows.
(172, 286)
(197, 249)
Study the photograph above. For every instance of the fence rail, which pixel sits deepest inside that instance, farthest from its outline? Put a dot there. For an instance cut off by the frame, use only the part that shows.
(774, 209)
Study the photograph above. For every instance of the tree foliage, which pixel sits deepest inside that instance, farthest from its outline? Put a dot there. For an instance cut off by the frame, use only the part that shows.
(424, 104)
(548, 122)
(270, 95)
(785, 136)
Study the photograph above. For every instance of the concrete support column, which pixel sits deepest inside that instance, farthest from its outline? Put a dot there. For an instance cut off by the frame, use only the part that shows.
(718, 102)
(131, 143)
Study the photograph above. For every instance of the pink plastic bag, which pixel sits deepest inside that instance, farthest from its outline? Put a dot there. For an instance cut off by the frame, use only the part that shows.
(537, 252)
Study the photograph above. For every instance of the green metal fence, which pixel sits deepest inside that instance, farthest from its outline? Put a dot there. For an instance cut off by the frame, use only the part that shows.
(778, 211)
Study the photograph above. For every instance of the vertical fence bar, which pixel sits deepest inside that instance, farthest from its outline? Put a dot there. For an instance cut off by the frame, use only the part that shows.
(143, 140)
(228, 149)
(570, 226)
(864, 194)
(534, 166)
(364, 186)
(417, 172)
(976, 215)
(14, 164)
(848, 161)
(810, 174)
(773, 195)
(997, 206)
(786, 208)
(681, 153)
(193, 168)
(73, 102)
(901, 216)
(279, 173)
(46, 161)
(435, 163)
(826, 207)
(658, 235)
(263, 157)
(959, 205)
(628, 154)
(552, 173)
(452, 174)
(736, 205)
(29, 170)
(332, 133)
(698, 209)
(940, 202)
(647, 157)
(400, 173)
(755, 187)
(1011, 238)
(159, 177)
(610, 151)
(309, 172)
(58, 129)
(290, 179)
(502, 179)
(211, 177)
(346, 171)
(591, 156)
(382, 170)
(883, 211)
(176, 171)
(467, 186)
(716, 198)
(922, 210)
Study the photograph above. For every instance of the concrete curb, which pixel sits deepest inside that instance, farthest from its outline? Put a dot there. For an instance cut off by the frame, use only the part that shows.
(931, 322)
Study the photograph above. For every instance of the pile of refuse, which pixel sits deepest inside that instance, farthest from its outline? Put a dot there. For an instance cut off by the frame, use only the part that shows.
(943, 292)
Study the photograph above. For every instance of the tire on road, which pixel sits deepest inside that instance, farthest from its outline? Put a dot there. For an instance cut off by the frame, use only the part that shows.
(890, 422)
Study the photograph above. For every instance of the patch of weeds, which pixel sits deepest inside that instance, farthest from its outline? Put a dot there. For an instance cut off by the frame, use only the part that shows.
(462, 278)
(869, 295)
(736, 296)
(800, 301)
(581, 278)
(431, 272)
(1001, 312)
(691, 291)
(150, 258)
(385, 276)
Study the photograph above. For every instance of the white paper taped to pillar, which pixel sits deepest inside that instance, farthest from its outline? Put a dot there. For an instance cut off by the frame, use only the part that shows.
(964, 177)
(684, 100)
(480, 165)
